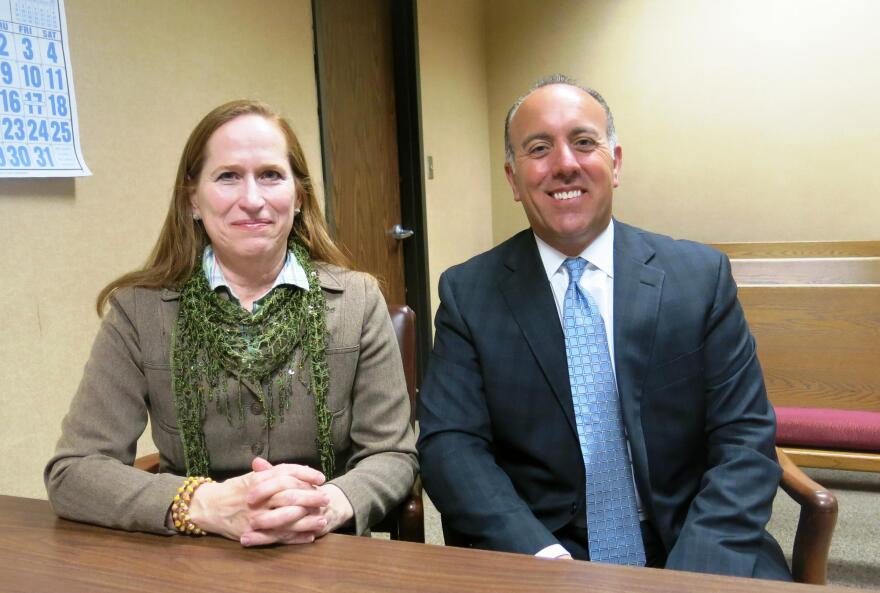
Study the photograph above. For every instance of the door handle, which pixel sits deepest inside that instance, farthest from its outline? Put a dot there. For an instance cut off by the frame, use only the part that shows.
(400, 233)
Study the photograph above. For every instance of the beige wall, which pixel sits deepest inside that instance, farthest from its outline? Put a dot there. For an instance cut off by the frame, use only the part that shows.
(452, 56)
(740, 121)
(145, 72)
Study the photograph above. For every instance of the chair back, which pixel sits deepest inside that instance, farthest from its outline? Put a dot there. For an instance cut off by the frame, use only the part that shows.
(404, 321)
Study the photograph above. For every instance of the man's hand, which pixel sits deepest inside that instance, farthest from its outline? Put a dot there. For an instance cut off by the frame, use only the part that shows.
(554, 552)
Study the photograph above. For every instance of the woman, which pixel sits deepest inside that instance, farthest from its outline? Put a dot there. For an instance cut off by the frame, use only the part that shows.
(244, 339)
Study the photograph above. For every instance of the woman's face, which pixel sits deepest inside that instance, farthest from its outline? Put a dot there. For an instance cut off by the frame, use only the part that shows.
(245, 193)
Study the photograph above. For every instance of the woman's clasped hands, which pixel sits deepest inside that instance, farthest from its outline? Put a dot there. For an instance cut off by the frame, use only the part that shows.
(285, 503)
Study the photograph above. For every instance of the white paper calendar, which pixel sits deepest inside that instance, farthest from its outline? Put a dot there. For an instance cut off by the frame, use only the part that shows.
(39, 131)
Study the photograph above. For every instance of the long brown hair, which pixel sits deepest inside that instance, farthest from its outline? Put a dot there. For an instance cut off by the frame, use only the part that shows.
(176, 253)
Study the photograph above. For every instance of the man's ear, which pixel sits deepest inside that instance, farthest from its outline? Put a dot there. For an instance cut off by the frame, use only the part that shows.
(618, 162)
(511, 179)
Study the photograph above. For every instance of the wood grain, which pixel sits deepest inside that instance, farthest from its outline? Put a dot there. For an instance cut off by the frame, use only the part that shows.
(819, 346)
(851, 270)
(831, 459)
(41, 554)
(794, 249)
(359, 129)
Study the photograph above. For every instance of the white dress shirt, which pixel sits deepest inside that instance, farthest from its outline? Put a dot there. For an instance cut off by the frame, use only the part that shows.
(598, 280)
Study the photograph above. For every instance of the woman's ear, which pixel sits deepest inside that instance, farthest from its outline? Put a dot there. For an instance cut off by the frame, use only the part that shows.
(193, 203)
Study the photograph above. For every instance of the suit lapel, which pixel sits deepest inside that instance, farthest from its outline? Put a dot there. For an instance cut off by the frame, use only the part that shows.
(637, 290)
(530, 298)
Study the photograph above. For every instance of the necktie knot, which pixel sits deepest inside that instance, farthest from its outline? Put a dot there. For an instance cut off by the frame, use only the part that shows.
(575, 267)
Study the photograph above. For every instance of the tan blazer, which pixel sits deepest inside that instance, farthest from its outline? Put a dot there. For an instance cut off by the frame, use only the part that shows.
(128, 380)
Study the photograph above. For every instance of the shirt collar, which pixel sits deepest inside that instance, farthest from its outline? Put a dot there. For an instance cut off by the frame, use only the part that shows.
(600, 253)
(292, 273)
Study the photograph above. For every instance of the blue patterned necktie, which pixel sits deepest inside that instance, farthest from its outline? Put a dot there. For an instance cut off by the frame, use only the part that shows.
(612, 517)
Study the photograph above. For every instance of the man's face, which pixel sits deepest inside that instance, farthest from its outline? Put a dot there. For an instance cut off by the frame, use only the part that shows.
(564, 172)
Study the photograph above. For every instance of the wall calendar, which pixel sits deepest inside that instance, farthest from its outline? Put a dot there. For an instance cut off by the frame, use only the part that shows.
(39, 130)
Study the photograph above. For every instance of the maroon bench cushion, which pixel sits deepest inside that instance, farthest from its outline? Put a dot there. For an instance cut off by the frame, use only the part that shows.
(827, 428)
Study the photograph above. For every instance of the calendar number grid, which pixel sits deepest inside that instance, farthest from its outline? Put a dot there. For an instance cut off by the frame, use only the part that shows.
(37, 124)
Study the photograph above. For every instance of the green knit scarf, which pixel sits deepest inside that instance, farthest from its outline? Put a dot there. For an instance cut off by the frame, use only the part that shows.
(216, 340)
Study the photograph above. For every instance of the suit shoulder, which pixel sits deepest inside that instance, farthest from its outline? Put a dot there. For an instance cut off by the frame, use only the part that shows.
(336, 278)
(484, 265)
(670, 247)
(355, 291)
(129, 299)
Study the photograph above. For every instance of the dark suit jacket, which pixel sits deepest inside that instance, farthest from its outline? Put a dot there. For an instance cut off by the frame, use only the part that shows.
(498, 443)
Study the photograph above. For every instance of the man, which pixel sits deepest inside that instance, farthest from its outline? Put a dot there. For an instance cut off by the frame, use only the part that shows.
(585, 352)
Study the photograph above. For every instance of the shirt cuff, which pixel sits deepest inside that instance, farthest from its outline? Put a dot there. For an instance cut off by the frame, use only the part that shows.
(554, 551)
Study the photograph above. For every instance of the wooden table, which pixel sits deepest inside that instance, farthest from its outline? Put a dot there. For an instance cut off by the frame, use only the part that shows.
(41, 553)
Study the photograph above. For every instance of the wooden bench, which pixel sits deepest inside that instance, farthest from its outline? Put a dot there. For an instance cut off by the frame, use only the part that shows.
(814, 309)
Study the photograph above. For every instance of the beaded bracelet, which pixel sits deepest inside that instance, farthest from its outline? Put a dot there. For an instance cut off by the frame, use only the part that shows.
(180, 506)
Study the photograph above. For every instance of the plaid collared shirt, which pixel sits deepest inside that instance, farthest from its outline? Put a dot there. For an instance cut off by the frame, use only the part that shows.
(291, 274)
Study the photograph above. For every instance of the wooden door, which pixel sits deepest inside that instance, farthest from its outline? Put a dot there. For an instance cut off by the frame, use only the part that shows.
(355, 61)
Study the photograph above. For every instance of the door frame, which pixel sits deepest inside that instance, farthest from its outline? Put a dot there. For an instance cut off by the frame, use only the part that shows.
(405, 49)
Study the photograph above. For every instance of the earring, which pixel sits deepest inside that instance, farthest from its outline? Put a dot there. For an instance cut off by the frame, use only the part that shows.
(296, 210)
(197, 216)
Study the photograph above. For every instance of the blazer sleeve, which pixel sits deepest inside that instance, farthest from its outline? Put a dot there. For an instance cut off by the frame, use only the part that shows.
(383, 464)
(724, 527)
(474, 495)
(90, 478)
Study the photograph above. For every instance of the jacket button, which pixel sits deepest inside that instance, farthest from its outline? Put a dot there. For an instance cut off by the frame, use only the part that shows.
(257, 448)
(574, 508)
(257, 408)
